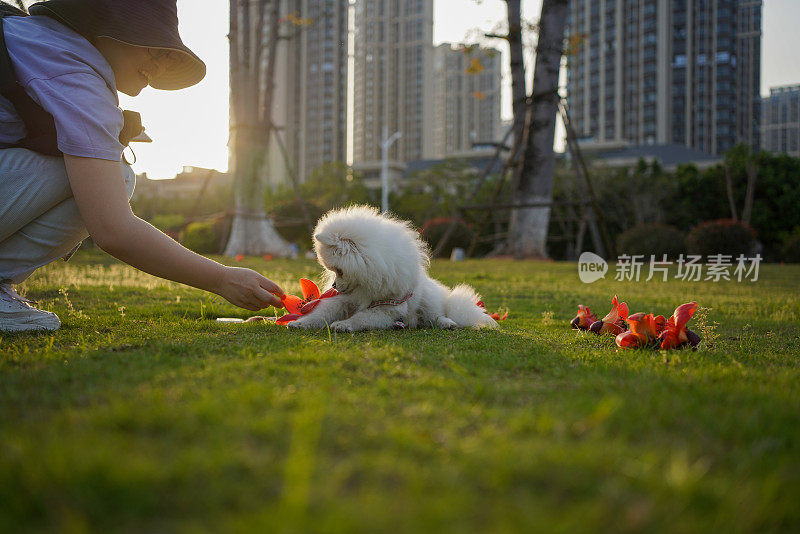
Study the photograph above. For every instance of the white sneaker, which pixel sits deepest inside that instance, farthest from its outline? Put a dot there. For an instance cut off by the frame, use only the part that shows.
(17, 314)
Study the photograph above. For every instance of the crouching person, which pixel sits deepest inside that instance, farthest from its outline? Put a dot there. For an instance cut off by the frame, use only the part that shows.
(62, 134)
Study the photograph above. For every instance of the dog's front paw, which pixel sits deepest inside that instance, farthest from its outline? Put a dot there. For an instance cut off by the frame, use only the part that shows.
(305, 323)
(342, 326)
(445, 323)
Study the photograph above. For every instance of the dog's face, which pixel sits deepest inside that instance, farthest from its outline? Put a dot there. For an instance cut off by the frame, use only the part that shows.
(366, 252)
(339, 256)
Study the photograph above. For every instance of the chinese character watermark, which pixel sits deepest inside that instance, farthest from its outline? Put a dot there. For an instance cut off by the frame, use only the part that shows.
(690, 268)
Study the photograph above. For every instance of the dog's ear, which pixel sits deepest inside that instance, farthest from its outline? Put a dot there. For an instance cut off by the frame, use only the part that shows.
(326, 239)
(339, 244)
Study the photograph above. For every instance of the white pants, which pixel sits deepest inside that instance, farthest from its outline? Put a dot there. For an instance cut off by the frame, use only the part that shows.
(39, 220)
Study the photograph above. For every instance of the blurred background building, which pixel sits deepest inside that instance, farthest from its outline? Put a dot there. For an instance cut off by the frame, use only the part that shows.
(780, 120)
(663, 72)
(310, 99)
(393, 68)
(467, 98)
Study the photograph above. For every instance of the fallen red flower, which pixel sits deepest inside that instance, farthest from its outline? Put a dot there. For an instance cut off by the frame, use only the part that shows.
(614, 322)
(494, 315)
(647, 330)
(497, 317)
(643, 331)
(584, 319)
(675, 334)
(297, 307)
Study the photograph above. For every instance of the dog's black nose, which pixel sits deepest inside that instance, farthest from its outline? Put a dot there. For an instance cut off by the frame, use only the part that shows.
(334, 285)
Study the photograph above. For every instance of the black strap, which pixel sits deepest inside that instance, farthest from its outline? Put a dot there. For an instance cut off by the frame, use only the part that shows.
(39, 125)
(40, 128)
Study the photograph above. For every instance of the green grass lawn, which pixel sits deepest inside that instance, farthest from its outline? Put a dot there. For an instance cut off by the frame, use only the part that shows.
(143, 414)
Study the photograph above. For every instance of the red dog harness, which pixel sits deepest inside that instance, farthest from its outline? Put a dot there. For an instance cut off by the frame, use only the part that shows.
(390, 302)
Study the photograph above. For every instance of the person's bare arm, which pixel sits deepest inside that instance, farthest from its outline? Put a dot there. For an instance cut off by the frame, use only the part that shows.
(99, 190)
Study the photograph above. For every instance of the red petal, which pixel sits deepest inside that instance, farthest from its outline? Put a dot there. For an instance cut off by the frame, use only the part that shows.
(660, 323)
(585, 317)
(613, 315)
(291, 303)
(288, 318)
(669, 340)
(643, 326)
(309, 288)
(481, 304)
(329, 293)
(652, 326)
(611, 328)
(307, 308)
(683, 313)
(627, 340)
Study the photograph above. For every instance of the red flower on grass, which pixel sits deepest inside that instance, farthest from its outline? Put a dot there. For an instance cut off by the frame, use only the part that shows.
(647, 330)
(643, 331)
(614, 322)
(584, 319)
(675, 334)
(297, 307)
(494, 315)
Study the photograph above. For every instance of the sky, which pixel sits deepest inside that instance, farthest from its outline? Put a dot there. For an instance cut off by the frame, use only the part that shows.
(190, 127)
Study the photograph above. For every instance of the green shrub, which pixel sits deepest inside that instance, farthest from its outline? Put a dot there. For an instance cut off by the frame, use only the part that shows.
(652, 239)
(203, 237)
(433, 230)
(291, 224)
(790, 252)
(168, 221)
(722, 236)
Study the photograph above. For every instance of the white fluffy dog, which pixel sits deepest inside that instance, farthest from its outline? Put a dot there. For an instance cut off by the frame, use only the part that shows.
(379, 266)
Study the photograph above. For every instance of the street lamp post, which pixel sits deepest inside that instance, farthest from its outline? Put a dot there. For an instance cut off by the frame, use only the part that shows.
(385, 144)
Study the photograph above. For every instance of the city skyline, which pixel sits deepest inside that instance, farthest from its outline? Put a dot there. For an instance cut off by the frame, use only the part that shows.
(683, 73)
(174, 118)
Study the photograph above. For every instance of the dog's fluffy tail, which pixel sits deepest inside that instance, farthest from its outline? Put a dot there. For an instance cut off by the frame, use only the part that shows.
(462, 307)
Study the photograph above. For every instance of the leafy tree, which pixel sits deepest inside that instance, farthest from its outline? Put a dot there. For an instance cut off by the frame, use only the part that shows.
(333, 185)
(438, 191)
(254, 36)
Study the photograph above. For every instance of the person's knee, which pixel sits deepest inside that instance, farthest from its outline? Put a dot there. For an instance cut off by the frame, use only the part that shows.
(130, 179)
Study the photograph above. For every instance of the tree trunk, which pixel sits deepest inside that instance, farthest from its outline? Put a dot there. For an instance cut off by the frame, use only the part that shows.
(252, 233)
(517, 65)
(752, 173)
(729, 188)
(528, 229)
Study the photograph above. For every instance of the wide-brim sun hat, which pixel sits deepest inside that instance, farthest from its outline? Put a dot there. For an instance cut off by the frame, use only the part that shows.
(145, 23)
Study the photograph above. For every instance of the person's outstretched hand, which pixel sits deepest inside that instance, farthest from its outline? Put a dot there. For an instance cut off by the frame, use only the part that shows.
(248, 289)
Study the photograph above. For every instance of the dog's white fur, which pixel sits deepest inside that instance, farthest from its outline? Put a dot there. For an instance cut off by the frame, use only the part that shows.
(371, 257)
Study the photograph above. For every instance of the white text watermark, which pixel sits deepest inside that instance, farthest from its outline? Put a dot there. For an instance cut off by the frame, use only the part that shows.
(690, 268)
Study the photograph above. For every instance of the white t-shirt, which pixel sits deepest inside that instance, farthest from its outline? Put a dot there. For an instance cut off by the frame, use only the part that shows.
(71, 80)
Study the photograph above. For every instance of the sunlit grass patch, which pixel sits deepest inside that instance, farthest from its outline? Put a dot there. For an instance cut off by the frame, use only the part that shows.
(145, 414)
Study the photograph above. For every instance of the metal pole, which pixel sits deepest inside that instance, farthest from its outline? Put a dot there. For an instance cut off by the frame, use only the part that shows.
(385, 144)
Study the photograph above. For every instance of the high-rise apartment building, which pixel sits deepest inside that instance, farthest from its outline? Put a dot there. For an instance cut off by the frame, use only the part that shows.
(310, 104)
(392, 74)
(467, 98)
(780, 120)
(666, 71)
